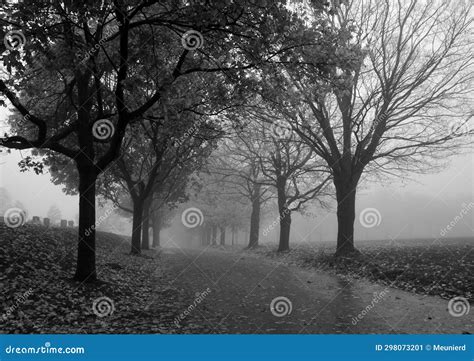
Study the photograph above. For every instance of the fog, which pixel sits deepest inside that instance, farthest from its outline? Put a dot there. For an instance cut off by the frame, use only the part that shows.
(241, 167)
(419, 206)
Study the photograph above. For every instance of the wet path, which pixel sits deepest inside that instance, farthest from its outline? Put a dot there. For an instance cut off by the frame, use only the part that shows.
(243, 288)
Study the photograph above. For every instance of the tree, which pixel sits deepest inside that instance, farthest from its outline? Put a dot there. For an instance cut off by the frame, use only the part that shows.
(167, 196)
(382, 96)
(287, 164)
(161, 217)
(219, 203)
(54, 214)
(240, 170)
(150, 159)
(86, 65)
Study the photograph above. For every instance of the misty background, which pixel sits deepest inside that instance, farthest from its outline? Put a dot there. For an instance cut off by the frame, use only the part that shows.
(410, 206)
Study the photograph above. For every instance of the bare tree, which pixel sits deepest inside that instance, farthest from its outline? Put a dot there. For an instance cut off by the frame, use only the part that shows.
(240, 169)
(287, 164)
(394, 93)
(54, 214)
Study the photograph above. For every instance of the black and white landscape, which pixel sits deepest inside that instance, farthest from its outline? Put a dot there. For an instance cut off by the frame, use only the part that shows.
(237, 166)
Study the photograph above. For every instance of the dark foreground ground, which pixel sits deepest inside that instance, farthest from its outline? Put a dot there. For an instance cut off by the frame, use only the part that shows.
(175, 290)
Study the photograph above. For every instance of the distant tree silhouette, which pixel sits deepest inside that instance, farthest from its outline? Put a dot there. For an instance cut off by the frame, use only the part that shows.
(54, 214)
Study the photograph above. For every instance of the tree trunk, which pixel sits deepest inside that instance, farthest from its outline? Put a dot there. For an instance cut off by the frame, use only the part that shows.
(146, 225)
(202, 235)
(85, 269)
(285, 215)
(137, 225)
(255, 217)
(222, 236)
(285, 225)
(207, 237)
(156, 226)
(346, 197)
(214, 235)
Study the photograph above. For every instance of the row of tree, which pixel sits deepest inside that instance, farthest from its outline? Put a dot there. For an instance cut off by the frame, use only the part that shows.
(130, 106)
(252, 167)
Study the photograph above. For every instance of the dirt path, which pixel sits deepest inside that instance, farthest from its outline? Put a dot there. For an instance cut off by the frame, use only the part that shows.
(243, 287)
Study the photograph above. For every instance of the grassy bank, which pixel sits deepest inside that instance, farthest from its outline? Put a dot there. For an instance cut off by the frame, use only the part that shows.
(38, 295)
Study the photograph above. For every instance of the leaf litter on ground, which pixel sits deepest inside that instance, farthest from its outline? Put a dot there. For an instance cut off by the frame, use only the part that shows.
(39, 295)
